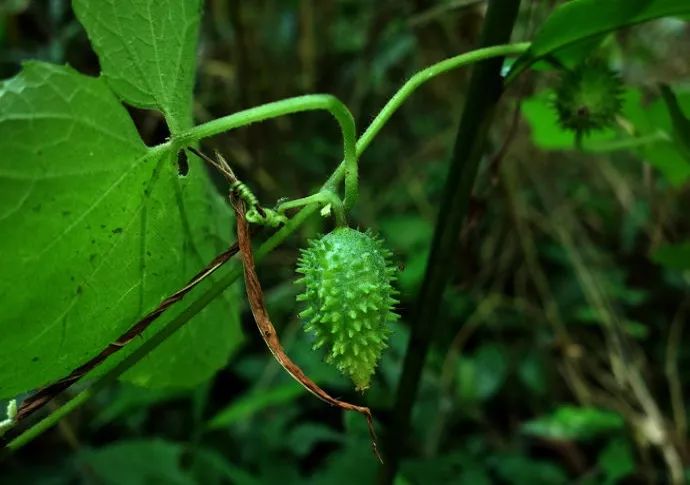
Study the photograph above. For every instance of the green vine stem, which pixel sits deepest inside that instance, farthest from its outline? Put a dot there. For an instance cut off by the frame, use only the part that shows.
(240, 119)
(298, 104)
(323, 197)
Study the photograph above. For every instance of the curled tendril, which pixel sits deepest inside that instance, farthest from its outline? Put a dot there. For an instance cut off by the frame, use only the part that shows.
(265, 217)
(255, 213)
(241, 190)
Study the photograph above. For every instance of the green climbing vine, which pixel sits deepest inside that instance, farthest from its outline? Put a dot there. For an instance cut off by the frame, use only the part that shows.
(52, 116)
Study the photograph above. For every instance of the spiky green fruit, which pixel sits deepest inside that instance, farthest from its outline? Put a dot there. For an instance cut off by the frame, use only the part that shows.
(588, 97)
(349, 299)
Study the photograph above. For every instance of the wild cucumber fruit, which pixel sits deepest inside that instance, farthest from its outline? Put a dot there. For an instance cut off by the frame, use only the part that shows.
(588, 97)
(349, 299)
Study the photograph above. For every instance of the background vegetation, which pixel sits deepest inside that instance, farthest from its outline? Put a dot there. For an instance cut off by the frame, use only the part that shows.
(565, 254)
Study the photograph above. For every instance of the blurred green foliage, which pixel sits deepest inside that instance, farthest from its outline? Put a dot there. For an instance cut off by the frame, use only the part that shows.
(562, 354)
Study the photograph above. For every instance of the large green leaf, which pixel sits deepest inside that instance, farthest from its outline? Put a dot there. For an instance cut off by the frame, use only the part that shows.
(98, 228)
(147, 51)
(71, 159)
(202, 225)
(581, 20)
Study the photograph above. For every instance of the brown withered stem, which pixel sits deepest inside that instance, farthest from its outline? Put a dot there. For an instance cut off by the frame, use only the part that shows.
(255, 296)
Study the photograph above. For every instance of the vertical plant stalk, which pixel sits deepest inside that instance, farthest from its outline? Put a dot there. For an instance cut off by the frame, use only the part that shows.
(485, 89)
(255, 297)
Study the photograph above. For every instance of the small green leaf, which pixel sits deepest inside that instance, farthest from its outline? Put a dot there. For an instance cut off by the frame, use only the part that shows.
(147, 51)
(616, 460)
(574, 423)
(580, 20)
(481, 376)
(673, 256)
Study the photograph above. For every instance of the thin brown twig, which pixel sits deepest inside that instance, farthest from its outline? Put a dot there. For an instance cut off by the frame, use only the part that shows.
(255, 297)
(37, 400)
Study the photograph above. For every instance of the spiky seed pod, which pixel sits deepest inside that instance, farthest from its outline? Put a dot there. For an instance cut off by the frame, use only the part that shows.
(349, 299)
(588, 97)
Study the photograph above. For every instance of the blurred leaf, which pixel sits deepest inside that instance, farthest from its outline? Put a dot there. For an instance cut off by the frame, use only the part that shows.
(574, 423)
(305, 436)
(394, 48)
(578, 20)
(299, 346)
(410, 278)
(665, 157)
(482, 375)
(8, 7)
(353, 463)
(634, 223)
(635, 329)
(591, 316)
(532, 373)
(522, 470)
(136, 463)
(456, 467)
(679, 122)
(63, 472)
(673, 256)
(406, 232)
(409, 235)
(126, 398)
(250, 404)
(211, 467)
(616, 460)
(652, 119)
